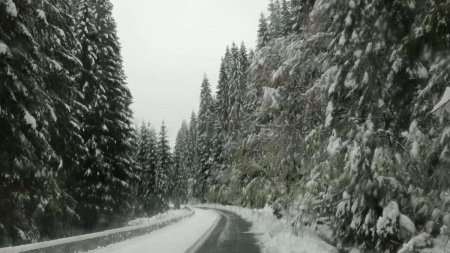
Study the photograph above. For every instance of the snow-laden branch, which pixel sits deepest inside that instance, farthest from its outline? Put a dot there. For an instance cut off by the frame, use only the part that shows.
(443, 105)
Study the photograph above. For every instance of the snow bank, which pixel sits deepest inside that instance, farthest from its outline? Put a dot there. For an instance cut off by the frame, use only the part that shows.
(167, 217)
(177, 238)
(171, 214)
(276, 236)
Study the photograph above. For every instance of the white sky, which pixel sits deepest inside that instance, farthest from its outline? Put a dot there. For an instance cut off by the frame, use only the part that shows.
(168, 45)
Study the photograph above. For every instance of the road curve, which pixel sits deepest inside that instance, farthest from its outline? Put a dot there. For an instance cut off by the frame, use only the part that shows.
(231, 235)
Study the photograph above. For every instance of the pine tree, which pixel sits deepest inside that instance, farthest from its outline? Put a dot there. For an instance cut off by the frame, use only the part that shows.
(286, 17)
(163, 167)
(222, 110)
(146, 158)
(238, 69)
(300, 10)
(103, 187)
(366, 77)
(192, 162)
(276, 20)
(35, 74)
(223, 90)
(263, 32)
(205, 131)
(180, 166)
(117, 115)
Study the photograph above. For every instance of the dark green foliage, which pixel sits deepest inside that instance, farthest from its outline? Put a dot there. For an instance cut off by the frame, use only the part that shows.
(163, 185)
(205, 133)
(32, 67)
(180, 170)
(64, 115)
(103, 187)
(147, 161)
(263, 32)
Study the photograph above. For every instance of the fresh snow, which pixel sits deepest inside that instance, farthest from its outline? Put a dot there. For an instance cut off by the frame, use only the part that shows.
(329, 114)
(366, 78)
(407, 224)
(41, 15)
(52, 113)
(171, 214)
(270, 98)
(136, 224)
(386, 223)
(176, 238)
(11, 8)
(421, 72)
(419, 242)
(444, 104)
(334, 145)
(3, 48)
(275, 235)
(30, 120)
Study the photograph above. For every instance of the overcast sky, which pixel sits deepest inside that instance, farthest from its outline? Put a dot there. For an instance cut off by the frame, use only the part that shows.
(168, 45)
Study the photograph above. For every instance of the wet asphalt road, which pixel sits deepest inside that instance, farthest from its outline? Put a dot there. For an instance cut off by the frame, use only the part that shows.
(230, 236)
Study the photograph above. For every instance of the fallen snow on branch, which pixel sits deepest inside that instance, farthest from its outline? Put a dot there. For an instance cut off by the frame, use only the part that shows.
(444, 104)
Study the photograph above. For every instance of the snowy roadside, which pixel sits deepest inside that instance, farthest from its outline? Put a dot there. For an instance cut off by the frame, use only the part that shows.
(184, 236)
(171, 214)
(88, 241)
(276, 236)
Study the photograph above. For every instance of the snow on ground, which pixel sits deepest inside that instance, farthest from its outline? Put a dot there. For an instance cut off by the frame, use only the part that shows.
(133, 225)
(171, 214)
(276, 236)
(176, 238)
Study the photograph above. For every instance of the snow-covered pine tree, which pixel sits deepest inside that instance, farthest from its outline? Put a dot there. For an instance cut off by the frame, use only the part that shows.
(88, 184)
(263, 32)
(425, 54)
(220, 154)
(32, 66)
(425, 50)
(300, 10)
(103, 186)
(180, 169)
(63, 106)
(192, 162)
(205, 139)
(223, 90)
(286, 17)
(238, 68)
(366, 98)
(146, 159)
(163, 171)
(275, 19)
(117, 124)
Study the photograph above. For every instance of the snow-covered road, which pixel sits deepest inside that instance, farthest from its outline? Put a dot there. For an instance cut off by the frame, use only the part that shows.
(176, 238)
